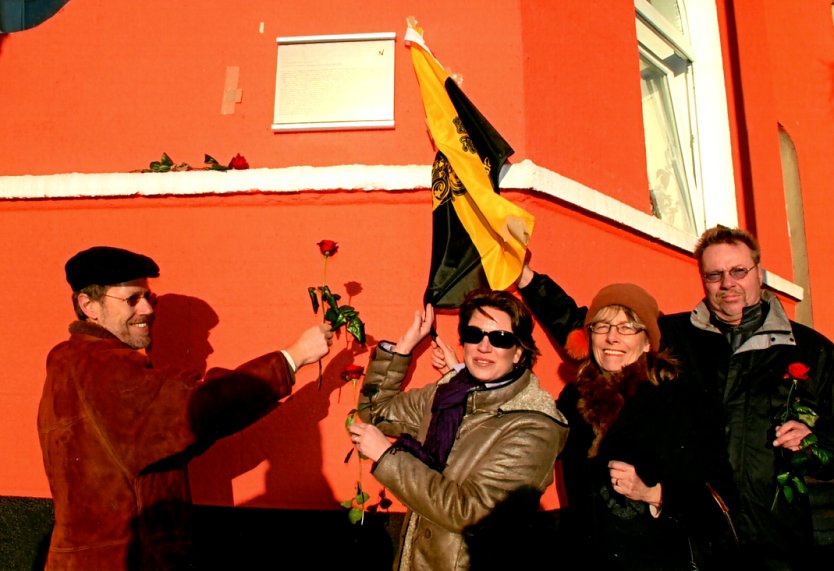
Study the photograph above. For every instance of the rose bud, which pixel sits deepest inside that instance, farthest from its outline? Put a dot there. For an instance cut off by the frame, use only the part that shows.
(328, 247)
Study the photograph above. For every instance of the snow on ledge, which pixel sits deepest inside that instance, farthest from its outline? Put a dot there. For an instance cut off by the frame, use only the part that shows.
(524, 175)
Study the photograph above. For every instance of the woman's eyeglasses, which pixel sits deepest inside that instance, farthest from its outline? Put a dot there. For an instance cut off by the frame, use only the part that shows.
(737, 273)
(497, 338)
(134, 299)
(627, 328)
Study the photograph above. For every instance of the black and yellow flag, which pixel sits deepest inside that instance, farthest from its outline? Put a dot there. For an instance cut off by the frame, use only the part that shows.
(479, 238)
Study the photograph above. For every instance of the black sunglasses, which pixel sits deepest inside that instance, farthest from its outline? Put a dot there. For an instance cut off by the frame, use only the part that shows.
(497, 338)
(134, 299)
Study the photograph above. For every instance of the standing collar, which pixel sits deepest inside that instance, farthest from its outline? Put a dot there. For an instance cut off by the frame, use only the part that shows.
(775, 330)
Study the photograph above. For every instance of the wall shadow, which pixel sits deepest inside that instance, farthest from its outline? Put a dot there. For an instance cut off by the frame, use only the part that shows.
(181, 332)
(287, 444)
(290, 440)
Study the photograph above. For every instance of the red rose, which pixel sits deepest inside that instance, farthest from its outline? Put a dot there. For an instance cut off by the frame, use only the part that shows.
(238, 162)
(798, 371)
(352, 373)
(328, 247)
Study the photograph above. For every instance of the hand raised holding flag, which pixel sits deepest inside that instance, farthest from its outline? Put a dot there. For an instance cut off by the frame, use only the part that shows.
(420, 327)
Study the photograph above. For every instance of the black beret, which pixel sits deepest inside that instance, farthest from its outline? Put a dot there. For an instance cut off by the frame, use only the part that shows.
(103, 265)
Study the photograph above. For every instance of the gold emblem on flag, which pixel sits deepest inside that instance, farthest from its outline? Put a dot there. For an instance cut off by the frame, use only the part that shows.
(465, 140)
(467, 145)
(445, 184)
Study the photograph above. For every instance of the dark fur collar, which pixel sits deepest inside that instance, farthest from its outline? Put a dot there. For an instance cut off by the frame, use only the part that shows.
(602, 395)
(90, 328)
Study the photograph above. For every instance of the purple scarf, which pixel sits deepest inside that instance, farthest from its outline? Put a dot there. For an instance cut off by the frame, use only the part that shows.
(448, 410)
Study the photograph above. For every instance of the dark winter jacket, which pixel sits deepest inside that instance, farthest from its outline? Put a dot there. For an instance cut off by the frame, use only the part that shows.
(750, 384)
(665, 431)
(116, 436)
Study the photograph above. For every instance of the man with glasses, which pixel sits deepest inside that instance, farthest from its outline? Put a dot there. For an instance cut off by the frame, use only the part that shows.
(117, 433)
(739, 343)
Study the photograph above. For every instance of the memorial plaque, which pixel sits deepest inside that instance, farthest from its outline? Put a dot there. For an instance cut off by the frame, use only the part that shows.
(335, 82)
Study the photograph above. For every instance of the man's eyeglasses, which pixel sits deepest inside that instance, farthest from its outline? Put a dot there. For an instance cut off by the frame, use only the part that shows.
(499, 339)
(134, 299)
(627, 328)
(737, 273)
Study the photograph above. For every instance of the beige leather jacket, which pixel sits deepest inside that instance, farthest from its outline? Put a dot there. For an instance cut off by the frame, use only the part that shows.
(508, 442)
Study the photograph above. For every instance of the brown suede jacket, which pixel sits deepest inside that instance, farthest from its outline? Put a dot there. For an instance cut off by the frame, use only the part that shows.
(116, 436)
(504, 453)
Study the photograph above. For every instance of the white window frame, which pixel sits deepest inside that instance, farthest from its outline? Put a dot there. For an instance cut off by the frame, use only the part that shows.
(710, 151)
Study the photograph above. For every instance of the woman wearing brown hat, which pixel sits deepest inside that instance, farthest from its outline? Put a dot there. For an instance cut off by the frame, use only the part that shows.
(639, 468)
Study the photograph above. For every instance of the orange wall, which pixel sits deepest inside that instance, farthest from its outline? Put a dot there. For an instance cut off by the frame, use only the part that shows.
(580, 64)
(86, 92)
(250, 263)
(106, 86)
(764, 198)
(92, 90)
(779, 61)
(801, 54)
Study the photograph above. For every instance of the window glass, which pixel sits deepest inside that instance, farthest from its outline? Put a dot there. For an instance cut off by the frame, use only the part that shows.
(668, 185)
(666, 80)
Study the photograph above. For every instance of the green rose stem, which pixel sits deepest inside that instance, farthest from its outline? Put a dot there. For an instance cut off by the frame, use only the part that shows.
(786, 412)
(323, 318)
(782, 419)
(361, 489)
(356, 504)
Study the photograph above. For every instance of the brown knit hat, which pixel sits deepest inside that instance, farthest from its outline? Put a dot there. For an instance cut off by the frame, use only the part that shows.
(631, 296)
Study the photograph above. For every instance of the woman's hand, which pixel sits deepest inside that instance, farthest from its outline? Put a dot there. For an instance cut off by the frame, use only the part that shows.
(527, 274)
(625, 481)
(368, 439)
(443, 357)
(420, 327)
(525, 277)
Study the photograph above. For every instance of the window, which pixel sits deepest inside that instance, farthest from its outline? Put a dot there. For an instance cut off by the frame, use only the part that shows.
(670, 172)
(691, 186)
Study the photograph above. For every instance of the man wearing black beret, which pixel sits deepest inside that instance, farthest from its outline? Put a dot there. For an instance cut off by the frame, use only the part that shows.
(117, 433)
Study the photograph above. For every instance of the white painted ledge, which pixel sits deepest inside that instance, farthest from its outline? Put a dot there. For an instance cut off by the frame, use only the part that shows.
(199, 182)
(525, 175)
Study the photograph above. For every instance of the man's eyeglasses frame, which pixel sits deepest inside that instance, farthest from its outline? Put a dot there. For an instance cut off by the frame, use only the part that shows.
(737, 273)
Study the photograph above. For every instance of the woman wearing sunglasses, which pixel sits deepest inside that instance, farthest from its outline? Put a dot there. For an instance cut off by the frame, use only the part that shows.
(642, 470)
(473, 451)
